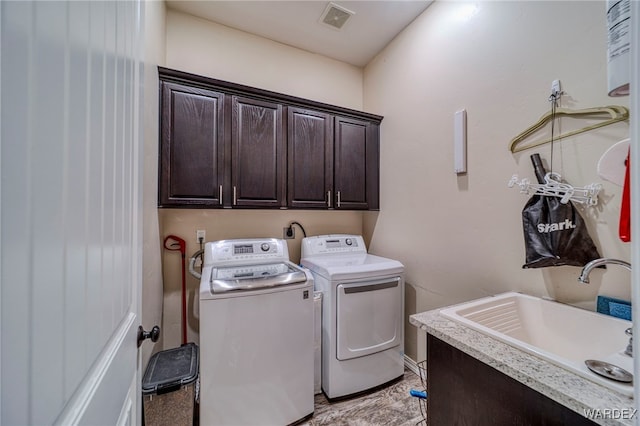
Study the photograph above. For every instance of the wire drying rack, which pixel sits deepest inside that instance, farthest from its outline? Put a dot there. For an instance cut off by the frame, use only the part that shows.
(422, 401)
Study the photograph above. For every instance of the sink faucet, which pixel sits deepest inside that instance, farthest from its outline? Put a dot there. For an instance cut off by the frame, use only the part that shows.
(584, 275)
(584, 278)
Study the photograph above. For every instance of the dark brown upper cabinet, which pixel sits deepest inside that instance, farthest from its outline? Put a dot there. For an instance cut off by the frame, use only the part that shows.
(310, 143)
(333, 161)
(356, 164)
(192, 150)
(258, 154)
(227, 145)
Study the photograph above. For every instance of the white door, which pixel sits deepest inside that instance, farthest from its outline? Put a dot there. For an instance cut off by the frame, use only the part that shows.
(70, 201)
(634, 105)
(369, 316)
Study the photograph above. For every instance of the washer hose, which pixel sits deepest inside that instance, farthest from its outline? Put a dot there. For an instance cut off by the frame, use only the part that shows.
(192, 263)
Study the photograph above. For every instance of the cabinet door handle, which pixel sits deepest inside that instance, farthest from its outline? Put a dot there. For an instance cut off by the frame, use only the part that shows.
(220, 195)
(338, 203)
(329, 199)
(235, 197)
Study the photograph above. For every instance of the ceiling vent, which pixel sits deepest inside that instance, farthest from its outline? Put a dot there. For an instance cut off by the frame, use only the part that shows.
(335, 16)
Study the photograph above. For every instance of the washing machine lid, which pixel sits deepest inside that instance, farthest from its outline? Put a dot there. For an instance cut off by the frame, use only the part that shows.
(352, 266)
(254, 277)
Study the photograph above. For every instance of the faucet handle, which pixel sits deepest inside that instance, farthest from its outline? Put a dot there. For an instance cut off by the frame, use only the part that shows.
(629, 349)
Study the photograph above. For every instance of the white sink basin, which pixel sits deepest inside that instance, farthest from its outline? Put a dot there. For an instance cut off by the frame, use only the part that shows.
(558, 333)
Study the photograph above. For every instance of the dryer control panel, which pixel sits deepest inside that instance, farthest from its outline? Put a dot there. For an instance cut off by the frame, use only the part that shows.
(332, 244)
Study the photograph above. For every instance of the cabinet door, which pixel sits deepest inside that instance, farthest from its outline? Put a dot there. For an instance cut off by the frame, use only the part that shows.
(310, 159)
(191, 152)
(458, 394)
(258, 154)
(356, 164)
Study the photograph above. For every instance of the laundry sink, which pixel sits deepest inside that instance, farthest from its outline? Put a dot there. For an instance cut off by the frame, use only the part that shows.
(559, 333)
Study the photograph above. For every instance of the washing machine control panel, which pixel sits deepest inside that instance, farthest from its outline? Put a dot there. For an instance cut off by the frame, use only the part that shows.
(246, 251)
(331, 244)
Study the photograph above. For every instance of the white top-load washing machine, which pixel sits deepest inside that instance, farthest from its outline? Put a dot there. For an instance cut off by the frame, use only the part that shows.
(256, 335)
(362, 313)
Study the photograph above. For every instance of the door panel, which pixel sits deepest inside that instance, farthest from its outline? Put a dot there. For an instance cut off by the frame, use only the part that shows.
(369, 317)
(258, 152)
(70, 195)
(192, 166)
(310, 153)
(352, 146)
(112, 373)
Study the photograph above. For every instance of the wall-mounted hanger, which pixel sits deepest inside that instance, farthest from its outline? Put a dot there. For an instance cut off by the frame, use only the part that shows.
(609, 114)
(554, 187)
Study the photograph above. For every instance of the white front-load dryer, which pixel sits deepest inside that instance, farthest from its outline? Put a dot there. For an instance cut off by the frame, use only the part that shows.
(362, 313)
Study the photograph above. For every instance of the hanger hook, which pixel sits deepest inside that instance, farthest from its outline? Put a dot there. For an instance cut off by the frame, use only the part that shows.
(555, 96)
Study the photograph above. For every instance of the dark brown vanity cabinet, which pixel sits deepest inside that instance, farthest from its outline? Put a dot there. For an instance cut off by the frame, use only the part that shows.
(228, 145)
(192, 156)
(465, 391)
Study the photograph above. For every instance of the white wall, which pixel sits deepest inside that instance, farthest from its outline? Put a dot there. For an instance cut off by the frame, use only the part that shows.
(152, 290)
(202, 47)
(460, 237)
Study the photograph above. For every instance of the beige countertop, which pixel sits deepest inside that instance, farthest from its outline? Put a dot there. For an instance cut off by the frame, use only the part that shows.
(576, 393)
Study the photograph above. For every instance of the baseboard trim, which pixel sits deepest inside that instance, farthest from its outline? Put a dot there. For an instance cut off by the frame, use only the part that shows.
(411, 365)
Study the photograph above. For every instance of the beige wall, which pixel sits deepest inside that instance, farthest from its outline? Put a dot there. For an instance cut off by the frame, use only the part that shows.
(152, 290)
(460, 237)
(227, 224)
(205, 48)
(213, 50)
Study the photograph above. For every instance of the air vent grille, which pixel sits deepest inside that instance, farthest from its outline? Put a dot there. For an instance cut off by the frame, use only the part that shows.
(335, 16)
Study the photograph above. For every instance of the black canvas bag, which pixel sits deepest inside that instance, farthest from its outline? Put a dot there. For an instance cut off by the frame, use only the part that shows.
(554, 233)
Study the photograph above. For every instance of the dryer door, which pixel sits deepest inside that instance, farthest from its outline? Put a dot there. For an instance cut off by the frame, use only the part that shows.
(369, 316)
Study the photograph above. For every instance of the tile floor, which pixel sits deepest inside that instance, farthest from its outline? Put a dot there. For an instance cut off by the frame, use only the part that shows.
(391, 405)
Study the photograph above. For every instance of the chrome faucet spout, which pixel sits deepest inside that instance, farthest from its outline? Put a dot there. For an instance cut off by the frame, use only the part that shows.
(584, 278)
(584, 275)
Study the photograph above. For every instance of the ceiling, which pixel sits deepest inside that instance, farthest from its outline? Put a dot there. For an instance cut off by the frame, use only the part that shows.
(298, 23)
